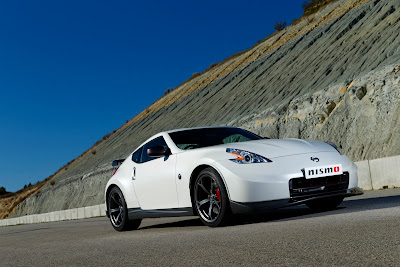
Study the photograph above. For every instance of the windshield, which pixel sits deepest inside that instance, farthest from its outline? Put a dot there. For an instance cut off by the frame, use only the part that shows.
(196, 138)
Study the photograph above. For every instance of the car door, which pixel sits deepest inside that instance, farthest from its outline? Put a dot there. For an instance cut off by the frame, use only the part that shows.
(154, 179)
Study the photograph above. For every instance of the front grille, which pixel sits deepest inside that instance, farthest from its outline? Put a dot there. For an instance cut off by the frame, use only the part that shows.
(302, 188)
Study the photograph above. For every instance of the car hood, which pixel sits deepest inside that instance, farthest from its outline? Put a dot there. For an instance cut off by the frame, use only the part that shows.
(273, 148)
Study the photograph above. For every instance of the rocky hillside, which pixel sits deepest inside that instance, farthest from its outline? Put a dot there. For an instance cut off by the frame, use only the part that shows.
(332, 76)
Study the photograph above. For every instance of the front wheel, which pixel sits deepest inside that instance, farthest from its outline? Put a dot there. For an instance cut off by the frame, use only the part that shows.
(325, 203)
(210, 198)
(118, 212)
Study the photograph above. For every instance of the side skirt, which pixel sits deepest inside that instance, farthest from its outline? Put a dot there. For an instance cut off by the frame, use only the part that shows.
(138, 213)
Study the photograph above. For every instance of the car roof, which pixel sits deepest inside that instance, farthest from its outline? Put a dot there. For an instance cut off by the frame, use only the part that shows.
(194, 128)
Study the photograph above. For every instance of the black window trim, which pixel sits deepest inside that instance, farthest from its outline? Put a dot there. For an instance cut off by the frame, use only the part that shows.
(140, 155)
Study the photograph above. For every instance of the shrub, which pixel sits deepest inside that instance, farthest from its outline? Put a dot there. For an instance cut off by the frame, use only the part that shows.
(213, 65)
(280, 25)
(169, 90)
(106, 136)
(196, 74)
(3, 191)
(98, 142)
(94, 152)
(53, 182)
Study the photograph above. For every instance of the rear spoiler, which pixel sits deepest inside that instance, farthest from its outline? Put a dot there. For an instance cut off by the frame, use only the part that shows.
(117, 162)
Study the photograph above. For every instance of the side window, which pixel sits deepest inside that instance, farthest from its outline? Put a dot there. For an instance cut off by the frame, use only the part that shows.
(136, 155)
(159, 141)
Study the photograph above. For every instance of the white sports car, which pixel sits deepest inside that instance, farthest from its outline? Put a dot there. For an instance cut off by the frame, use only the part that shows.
(215, 172)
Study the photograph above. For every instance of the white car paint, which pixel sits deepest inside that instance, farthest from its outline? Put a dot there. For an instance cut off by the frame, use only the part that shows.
(163, 183)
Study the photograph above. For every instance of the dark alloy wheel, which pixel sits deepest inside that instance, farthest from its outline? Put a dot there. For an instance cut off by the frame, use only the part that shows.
(119, 213)
(210, 198)
(325, 203)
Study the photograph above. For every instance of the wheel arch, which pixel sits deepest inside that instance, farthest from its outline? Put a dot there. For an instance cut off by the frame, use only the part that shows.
(111, 186)
(193, 176)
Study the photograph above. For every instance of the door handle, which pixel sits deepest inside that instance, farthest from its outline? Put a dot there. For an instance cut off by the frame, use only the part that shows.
(134, 173)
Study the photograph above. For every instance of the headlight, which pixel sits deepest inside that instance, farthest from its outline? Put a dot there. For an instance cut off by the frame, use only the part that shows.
(245, 157)
(334, 146)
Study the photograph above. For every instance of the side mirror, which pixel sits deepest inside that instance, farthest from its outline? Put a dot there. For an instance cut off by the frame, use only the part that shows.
(158, 151)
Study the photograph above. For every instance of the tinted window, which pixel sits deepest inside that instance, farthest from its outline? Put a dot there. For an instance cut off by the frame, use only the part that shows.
(197, 138)
(136, 155)
(159, 141)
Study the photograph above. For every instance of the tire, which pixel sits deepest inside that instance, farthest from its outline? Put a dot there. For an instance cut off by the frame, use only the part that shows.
(118, 212)
(325, 203)
(210, 199)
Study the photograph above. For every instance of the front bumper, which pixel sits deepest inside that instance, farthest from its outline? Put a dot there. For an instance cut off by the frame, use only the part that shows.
(271, 181)
(250, 207)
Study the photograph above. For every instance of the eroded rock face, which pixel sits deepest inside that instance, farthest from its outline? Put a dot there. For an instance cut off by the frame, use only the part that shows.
(338, 82)
(360, 116)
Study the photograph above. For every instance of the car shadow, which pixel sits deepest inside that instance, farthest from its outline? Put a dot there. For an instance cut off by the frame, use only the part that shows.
(184, 223)
(293, 213)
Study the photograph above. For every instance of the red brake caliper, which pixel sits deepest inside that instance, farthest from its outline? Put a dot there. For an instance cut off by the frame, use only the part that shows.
(218, 194)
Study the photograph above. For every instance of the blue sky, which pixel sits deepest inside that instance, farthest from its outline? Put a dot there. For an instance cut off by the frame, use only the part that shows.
(73, 71)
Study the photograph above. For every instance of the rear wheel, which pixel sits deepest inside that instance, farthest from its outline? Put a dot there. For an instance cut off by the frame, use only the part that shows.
(325, 203)
(210, 198)
(119, 213)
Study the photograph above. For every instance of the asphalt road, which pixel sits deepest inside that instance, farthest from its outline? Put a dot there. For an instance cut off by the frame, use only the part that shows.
(364, 230)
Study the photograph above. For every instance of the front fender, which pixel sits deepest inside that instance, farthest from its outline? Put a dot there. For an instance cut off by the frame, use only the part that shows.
(185, 168)
(126, 187)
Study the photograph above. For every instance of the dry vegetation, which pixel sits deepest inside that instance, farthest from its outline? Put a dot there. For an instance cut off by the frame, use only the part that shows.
(313, 6)
(9, 201)
(304, 24)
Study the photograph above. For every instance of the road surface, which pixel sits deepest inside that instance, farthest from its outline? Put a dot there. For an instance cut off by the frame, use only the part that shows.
(364, 230)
